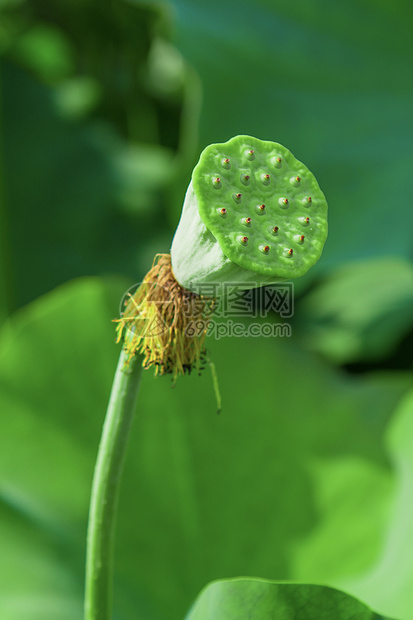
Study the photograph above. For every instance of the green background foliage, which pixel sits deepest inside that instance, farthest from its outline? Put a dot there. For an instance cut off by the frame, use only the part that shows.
(307, 475)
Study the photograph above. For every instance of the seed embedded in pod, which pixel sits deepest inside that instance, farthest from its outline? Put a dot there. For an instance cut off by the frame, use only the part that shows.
(249, 154)
(284, 203)
(245, 179)
(223, 212)
(237, 198)
(289, 252)
(304, 221)
(264, 248)
(246, 221)
(274, 230)
(265, 179)
(260, 209)
(307, 201)
(216, 182)
(295, 181)
(242, 240)
(299, 239)
(277, 162)
(225, 163)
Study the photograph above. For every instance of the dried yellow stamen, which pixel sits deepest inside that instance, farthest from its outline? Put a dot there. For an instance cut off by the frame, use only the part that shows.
(164, 322)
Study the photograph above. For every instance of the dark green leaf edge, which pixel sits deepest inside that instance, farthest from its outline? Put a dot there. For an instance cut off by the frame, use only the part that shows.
(245, 598)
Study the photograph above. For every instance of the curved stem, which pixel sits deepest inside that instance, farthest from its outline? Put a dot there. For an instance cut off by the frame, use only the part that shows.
(105, 491)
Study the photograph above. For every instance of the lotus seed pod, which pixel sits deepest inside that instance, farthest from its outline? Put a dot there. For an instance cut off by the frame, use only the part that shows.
(253, 215)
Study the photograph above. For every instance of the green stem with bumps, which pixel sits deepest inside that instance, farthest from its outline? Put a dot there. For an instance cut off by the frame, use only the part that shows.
(105, 490)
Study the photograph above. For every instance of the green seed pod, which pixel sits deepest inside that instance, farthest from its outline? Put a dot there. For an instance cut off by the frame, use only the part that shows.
(247, 180)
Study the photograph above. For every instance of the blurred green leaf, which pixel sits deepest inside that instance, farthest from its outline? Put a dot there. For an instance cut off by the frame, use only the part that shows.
(76, 97)
(203, 496)
(347, 490)
(34, 584)
(242, 599)
(112, 45)
(390, 581)
(89, 161)
(78, 201)
(45, 50)
(42, 532)
(361, 311)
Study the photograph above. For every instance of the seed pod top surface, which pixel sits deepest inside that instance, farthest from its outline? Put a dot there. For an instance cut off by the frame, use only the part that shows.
(264, 207)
